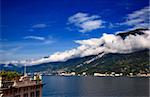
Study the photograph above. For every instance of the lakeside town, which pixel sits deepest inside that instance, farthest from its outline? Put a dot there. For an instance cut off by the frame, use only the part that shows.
(112, 74)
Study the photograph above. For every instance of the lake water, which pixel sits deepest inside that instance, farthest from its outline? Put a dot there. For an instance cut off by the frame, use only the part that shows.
(74, 86)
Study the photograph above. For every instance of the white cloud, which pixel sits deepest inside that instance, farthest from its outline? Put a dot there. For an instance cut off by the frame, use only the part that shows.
(85, 22)
(35, 38)
(90, 25)
(45, 40)
(40, 26)
(90, 42)
(139, 18)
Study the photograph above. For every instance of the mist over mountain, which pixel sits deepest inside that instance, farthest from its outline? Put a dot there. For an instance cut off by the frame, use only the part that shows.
(113, 62)
(109, 53)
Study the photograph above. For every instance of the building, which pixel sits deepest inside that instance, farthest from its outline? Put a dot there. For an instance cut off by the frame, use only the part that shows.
(106, 74)
(99, 74)
(84, 73)
(143, 74)
(67, 74)
(24, 86)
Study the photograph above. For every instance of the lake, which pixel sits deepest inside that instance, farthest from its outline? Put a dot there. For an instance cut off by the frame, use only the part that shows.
(88, 86)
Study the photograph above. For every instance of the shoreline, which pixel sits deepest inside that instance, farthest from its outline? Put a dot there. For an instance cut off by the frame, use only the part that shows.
(98, 76)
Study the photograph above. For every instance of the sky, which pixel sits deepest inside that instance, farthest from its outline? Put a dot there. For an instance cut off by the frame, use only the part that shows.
(32, 29)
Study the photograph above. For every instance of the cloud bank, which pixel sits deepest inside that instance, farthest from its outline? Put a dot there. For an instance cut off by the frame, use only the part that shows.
(108, 43)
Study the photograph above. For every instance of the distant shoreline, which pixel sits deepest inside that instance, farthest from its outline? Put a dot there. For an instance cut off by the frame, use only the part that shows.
(99, 76)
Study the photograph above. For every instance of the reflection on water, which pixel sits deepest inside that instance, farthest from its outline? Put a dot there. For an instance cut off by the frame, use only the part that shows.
(73, 86)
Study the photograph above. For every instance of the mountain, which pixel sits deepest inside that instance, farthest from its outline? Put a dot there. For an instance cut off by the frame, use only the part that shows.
(58, 65)
(132, 62)
(113, 62)
(132, 32)
(11, 67)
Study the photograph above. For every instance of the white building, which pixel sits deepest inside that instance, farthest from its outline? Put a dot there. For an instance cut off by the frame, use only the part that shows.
(84, 73)
(99, 74)
(67, 74)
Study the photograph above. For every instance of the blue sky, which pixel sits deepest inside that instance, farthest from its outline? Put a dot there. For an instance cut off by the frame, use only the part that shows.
(37, 28)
